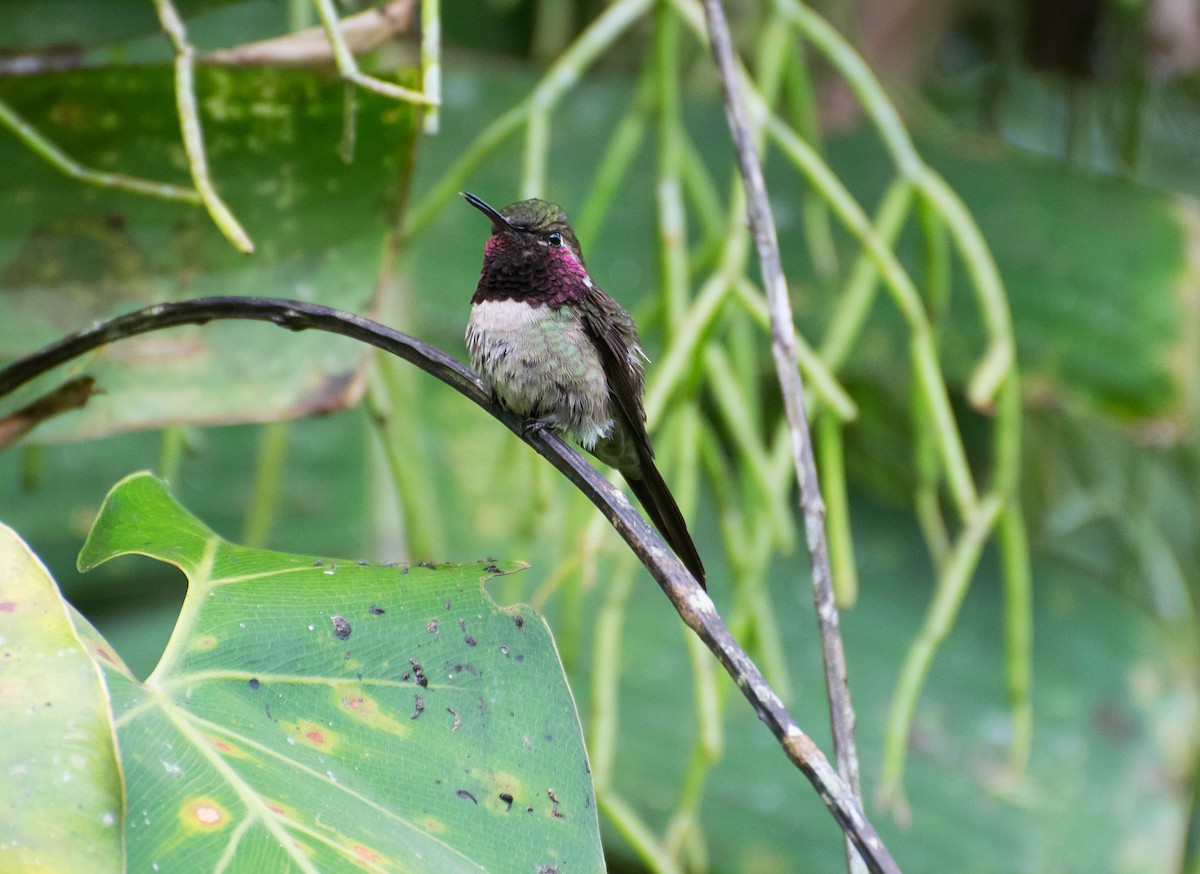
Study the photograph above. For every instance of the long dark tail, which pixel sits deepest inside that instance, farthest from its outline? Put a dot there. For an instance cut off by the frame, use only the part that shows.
(660, 506)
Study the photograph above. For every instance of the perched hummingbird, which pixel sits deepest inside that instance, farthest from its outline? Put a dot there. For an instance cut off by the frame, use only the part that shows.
(556, 348)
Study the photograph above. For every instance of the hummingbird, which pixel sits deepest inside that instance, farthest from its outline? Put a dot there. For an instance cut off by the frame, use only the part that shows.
(554, 347)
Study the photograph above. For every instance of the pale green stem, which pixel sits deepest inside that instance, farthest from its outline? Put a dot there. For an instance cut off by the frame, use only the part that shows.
(935, 253)
(431, 61)
(680, 357)
(771, 57)
(452, 180)
(926, 493)
(948, 596)
(1015, 570)
(67, 165)
(824, 384)
(701, 189)
(560, 78)
(399, 439)
(268, 474)
(618, 157)
(687, 480)
(683, 820)
(999, 358)
(874, 100)
(802, 101)
(606, 676)
(537, 150)
(673, 367)
(825, 182)
(631, 827)
(1018, 628)
(171, 444)
(831, 469)
(193, 134)
(672, 224)
(732, 405)
(954, 457)
(348, 67)
(349, 123)
(818, 173)
(854, 301)
(908, 299)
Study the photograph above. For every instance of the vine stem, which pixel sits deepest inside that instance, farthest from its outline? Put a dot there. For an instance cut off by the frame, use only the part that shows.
(791, 385)
(692, 603)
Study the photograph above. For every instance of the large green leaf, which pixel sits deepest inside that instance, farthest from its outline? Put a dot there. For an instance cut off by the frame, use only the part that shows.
(314, 714)
(321, 228)
(61, 792)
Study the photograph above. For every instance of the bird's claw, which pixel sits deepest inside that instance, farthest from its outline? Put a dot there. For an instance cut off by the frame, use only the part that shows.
(537, 425)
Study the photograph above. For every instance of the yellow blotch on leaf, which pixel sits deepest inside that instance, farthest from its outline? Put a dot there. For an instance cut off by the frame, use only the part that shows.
(204, 814)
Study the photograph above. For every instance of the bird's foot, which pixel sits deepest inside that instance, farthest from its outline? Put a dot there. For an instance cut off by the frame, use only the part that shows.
(537, 425)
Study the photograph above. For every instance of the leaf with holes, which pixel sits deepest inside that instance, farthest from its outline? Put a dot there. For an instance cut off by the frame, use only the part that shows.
(313, 714)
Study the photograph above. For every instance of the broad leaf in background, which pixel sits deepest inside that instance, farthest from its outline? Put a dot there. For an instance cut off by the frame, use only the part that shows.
(61, 792)
(320, 226)
(335, 715)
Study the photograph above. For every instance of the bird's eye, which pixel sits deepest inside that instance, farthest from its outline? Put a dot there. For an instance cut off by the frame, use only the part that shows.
(554, 239)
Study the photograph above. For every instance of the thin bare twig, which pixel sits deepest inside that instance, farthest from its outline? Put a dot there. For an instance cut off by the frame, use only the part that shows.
(348, 67)
(364, 32)
(692, 603)
(783, 349)
(60, 160)
(193, 134)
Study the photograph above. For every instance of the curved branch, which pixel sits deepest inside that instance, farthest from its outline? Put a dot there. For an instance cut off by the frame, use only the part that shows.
(692, 603)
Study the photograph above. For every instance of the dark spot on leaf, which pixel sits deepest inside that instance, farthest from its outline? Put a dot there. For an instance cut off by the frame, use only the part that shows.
(346, 657)
(267, 710)
(318, 563)
(520, 656)
(556, 813)
(463, 793)
(549, 739)
(114, 221)
(375, 610)
(403, 570)
(529, 810)
(519, 620)
(418, 706)
(254, 683)
(419, 673)
(427, 564)
(469, 641)
(447, 603)
(406, 676)
(507, 799)
(504, 649)
(546, 869)
(432, 627)
(362, 562)
(550, 794)
(480, 705)
(492, 569)
(341, 626)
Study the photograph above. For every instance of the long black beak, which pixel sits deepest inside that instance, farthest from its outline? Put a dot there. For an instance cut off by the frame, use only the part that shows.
(492, 213)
